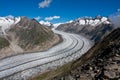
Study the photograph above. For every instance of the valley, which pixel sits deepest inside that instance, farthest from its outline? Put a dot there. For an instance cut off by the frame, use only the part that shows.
(60, 40)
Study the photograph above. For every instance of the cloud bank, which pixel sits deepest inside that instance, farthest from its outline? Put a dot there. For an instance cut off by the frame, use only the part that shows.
(45, 3)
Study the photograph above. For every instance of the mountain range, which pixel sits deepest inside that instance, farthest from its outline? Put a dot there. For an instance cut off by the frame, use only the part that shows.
(93, 28)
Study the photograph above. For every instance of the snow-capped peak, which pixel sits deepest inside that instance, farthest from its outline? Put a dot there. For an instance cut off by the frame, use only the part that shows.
(91, 21)
(57, 24)
(6, 22)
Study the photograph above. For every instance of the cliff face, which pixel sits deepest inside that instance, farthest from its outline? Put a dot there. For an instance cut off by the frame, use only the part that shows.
(26, 36)
(101, 62)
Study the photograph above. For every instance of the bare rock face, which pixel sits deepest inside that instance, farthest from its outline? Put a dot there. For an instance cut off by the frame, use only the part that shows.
(92, 28)
(101, 62)
(27, 36)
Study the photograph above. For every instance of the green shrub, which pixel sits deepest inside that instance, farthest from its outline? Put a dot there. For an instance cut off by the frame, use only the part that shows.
(3, 43)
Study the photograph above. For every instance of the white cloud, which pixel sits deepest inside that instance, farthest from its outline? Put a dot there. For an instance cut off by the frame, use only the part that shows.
(44, 3)
(52, 17)
(38, 18)
(118, 10)
(10, 16)
(46, 23)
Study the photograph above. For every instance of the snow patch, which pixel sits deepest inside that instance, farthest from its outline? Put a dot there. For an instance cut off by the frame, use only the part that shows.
(57, 24)
(104, 19)
(82, 22)
(6, 22)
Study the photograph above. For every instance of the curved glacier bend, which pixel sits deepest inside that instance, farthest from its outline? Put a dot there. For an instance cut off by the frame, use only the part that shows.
(27, 65)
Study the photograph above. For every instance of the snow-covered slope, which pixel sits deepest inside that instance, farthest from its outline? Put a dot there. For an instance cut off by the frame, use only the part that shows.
(6, 22)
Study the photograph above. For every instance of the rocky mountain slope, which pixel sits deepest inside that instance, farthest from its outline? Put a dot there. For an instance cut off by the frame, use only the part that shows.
(93, 28)
(24, 35)
(101, 62)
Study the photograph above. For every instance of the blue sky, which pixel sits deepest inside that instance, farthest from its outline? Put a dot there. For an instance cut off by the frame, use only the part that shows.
(58, 10)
